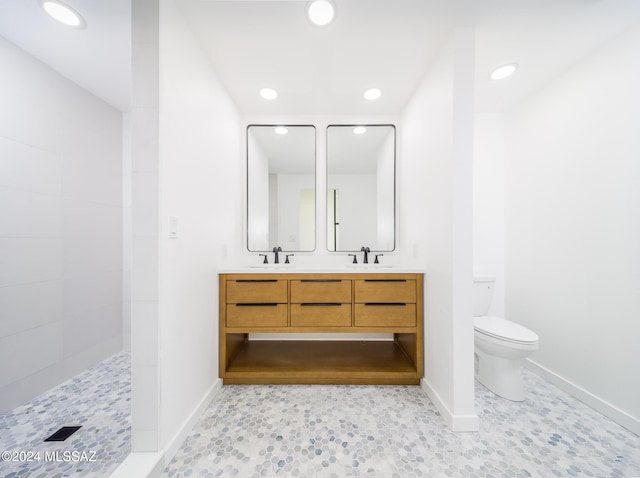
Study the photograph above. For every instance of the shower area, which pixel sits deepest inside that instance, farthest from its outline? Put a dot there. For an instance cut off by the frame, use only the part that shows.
(65, 242)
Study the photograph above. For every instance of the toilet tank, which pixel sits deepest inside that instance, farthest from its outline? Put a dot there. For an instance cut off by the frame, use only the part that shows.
(482, 295)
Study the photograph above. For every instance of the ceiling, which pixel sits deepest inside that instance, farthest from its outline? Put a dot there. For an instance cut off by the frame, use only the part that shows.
(387, 44)
(97, 58)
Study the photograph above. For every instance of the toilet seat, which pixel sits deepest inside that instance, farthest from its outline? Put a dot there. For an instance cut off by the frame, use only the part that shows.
(503, 329)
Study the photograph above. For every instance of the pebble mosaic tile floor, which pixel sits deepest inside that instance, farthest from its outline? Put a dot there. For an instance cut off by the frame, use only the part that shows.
(325, 432)
(395, 432)
(98, 400)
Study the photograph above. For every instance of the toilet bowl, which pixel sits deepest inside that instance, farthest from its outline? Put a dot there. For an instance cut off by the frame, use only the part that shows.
(500, 346)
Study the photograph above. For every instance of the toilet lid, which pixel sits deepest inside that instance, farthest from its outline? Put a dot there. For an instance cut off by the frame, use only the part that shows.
(504, 329)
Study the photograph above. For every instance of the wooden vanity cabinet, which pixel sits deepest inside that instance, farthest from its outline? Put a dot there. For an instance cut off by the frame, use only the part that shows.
(386, 304)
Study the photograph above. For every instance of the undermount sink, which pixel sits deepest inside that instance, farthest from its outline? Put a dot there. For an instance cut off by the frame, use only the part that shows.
(369, 266)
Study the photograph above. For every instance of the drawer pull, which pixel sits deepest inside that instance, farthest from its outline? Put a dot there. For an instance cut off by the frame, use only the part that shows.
(256, 280)
(321, 280)
(385, 304)
(256, 305)
(385, 280)
(320, 304)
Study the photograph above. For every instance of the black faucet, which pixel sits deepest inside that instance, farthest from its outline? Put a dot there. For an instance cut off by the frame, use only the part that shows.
(366, 251)
(275, 251)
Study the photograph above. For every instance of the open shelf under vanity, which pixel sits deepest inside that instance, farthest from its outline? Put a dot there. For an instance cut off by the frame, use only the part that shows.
(325, 361)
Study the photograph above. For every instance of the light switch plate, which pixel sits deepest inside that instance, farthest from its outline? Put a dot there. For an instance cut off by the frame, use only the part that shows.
(173, 227)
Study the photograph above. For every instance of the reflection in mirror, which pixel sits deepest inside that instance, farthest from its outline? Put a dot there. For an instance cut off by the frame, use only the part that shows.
(361, 187)
(281, 187)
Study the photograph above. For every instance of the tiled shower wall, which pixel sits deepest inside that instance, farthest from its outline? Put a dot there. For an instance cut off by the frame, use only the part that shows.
(60, 228)
(145, 226)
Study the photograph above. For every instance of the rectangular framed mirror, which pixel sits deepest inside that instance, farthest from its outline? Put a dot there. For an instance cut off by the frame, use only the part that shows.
(361, 187)
(281, 187)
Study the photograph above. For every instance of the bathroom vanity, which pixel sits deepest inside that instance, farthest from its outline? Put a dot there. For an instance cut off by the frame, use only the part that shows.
(385, 306)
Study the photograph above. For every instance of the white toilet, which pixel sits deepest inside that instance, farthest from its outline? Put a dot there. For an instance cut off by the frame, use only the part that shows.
(500, 346)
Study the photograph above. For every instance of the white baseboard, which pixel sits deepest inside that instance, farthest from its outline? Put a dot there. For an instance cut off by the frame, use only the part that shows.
(608, 410)
(457, 423)
(140, 464)
(151, 465)
(176, 442)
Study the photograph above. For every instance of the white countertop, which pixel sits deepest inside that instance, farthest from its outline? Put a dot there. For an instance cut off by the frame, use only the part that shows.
(320, 269)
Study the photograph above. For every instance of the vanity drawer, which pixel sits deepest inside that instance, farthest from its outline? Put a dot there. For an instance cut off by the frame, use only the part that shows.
(321, 290)
(386, 290)
(256, 315)
(385, 315)
(321, 315)
(256, 290)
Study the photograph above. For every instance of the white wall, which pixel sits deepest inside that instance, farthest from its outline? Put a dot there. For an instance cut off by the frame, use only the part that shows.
(572, 226)
(258, 237)
(145, 361)
(271, 235)
(60, 228)
(200, 183)
(488, 204)
(385, 192)
(127, 229)
(436, 148)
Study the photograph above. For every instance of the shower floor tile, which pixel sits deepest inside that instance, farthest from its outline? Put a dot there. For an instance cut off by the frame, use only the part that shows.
(98, 400)
(395, 431)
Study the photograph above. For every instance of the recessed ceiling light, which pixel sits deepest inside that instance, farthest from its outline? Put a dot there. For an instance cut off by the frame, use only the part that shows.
(372, 94)
(359, 130)
(280, 130)
(504, 71)
(63, 13)
(321, 12)
(268, 93)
